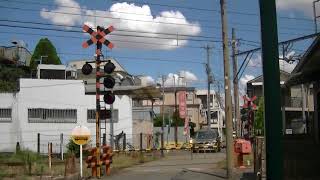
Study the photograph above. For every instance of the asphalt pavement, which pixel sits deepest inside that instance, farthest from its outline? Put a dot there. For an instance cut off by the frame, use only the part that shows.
(180, 165)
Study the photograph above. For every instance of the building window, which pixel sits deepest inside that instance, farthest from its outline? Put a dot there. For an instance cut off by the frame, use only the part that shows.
(91, 116)
(189, 96)
(39, 115)
(5, 115)
(189, 112)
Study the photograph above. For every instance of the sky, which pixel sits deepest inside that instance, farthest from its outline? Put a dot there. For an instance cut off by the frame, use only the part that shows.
(155, 38)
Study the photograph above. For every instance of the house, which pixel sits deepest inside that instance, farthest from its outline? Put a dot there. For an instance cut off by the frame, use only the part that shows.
(45, 110)
(216, 111)
(294, 106)
(301, 157)
(51, 108)
(126, 85)
(18, 55)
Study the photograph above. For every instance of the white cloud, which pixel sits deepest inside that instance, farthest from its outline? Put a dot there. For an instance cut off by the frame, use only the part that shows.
(304, 6)
(57, 17)
(243, 83)
(285, 66)
(129, 17)
(183, 79)
(288, 67)
(149, 80)
(255, 62)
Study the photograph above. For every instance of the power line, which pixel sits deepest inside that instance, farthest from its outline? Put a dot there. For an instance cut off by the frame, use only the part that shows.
(141, 58)
(126, 19)
(114, 34)
(120, 12)
(214, 10)
(115, 40)
(121, 30)
(178, 24)
(200, 20)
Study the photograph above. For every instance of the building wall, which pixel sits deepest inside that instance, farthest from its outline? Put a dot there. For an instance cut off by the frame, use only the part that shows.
(55, 94)
(7, 136)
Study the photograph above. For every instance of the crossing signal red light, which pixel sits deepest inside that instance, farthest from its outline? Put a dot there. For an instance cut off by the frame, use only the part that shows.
(109, 82)
(109, 98)
(86, 69)
(109, 67)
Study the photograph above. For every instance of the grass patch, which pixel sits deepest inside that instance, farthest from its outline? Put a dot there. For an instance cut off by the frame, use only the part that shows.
(17, 166)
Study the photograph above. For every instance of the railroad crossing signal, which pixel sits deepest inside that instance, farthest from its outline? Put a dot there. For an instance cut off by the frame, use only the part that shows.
(249, 102)
(97, 36)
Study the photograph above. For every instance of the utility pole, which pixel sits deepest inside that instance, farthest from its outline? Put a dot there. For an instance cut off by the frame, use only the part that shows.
(315, 16)
(210, 80)
(175, 112)
(235, 83)
(227, 91)
(162, 127)
(271, 89)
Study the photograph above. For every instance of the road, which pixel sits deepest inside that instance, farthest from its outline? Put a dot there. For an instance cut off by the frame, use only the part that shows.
(175, 166)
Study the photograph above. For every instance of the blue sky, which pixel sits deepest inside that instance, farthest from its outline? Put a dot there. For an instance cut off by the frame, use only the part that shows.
(139, 58)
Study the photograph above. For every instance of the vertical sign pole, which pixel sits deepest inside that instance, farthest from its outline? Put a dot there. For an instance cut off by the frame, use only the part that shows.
(98, 52)
(271, 82)
(81, 160)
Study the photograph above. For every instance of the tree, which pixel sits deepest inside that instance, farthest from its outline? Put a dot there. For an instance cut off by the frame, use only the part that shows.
(157, 121)
(44, 48)
(9, 76)
(259, 119)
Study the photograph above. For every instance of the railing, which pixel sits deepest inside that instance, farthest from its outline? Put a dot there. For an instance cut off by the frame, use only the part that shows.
(293, 102)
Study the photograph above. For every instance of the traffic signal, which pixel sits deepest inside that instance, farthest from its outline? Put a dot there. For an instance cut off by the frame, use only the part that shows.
(109, 82)
(109, 67)
(109, 98)
(244, 114)
(86, 69)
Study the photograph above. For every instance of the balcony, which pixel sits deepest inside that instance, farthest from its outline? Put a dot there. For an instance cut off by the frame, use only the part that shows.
(294, 102)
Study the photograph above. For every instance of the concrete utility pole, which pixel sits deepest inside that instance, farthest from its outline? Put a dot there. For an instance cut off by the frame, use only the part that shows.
(315, 16)
(271, 89)
(235, 83)
(210, 80)
(176, 113)
(162, 127)
(227, 91)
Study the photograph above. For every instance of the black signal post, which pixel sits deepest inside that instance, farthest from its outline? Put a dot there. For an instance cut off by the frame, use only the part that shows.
(98, 39)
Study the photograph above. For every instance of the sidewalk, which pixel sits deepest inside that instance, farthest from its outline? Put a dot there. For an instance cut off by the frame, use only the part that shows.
(220, 174)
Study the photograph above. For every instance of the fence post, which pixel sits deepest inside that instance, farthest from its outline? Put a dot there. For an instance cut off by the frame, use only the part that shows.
(104, 139)
(140, 141)
(162, 144)
(49, 154)
(61, 145)
(124, 143)
(38, 143)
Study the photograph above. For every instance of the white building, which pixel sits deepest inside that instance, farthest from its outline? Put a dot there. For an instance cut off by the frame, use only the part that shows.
(216, 112)
(52, 107)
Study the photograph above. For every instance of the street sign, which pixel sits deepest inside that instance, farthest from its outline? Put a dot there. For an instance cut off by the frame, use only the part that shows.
(80, 135)
(97, 36)
(182, 104)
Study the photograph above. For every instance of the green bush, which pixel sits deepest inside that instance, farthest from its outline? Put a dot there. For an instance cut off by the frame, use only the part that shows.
(74, 148)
